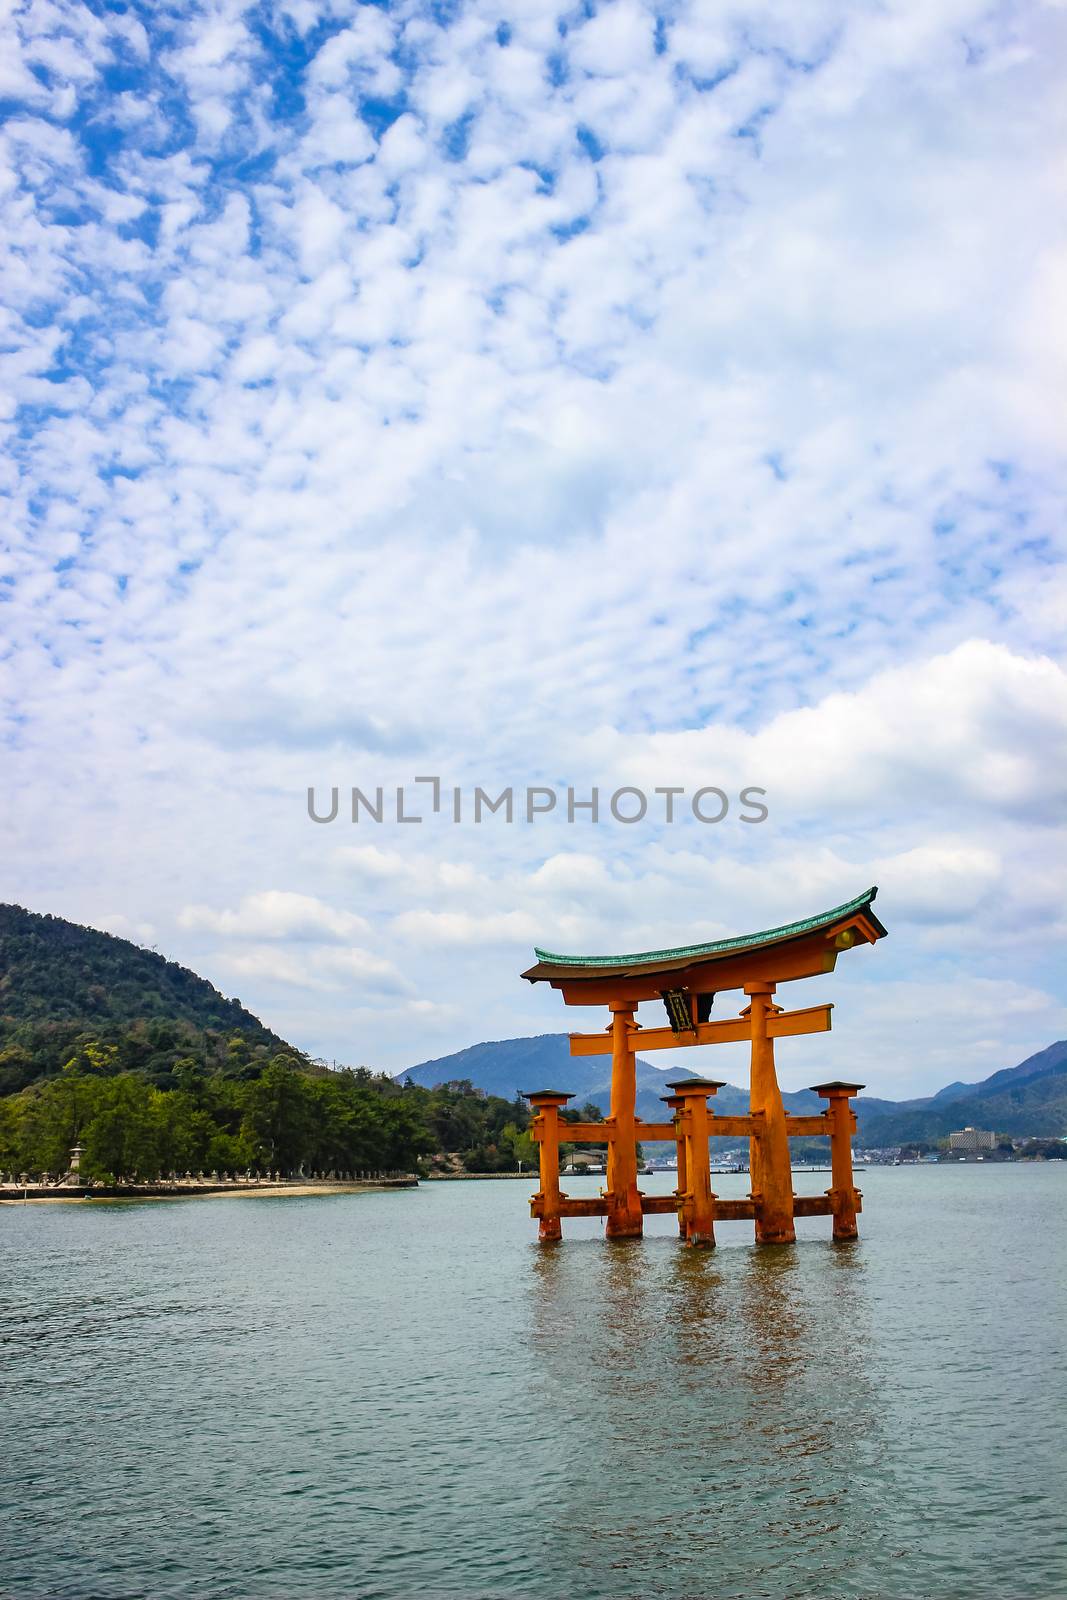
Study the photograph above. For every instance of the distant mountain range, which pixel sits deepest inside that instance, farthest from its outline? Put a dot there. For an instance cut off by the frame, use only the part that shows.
(509, 1066)
(1028, 1099)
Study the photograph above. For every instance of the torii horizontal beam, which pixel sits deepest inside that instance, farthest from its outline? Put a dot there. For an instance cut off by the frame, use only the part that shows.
(730, 1030)
(818, 1125)
(830, 1204)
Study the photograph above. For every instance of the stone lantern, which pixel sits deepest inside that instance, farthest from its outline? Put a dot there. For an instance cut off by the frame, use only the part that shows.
(73, 1175)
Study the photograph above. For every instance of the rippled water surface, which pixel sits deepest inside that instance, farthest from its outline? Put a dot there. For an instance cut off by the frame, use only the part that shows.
(388, 1395)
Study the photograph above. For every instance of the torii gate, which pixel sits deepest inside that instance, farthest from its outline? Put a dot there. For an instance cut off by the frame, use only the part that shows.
(687, 981)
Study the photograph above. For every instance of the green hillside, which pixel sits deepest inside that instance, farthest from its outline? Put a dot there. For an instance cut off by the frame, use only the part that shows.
(57, 971)
(69, 993)
(152, 1070)
(1032, 1105)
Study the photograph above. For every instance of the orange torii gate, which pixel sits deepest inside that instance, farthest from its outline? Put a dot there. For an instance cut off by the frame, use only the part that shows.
(686, 981)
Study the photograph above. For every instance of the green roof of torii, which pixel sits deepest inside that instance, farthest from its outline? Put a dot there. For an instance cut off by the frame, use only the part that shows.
(716, 947)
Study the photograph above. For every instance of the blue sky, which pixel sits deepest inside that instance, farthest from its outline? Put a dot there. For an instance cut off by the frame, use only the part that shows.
(633, 394)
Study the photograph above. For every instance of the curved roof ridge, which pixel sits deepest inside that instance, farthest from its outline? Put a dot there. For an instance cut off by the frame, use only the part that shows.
(715, 946)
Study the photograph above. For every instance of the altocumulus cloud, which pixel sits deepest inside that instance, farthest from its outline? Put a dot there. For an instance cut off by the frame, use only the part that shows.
(275, 914)
(600, 396)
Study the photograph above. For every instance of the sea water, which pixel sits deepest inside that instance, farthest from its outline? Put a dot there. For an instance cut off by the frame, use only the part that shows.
(398, 1394)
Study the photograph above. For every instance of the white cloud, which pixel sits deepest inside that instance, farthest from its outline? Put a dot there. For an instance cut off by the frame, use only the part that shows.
(273, 966)
(980, 726)
(329, 970)
(276, 914)
(652, 404)
(962, 1032)
(402, 146)
(940, 882)
(617, 39)
(464, 928)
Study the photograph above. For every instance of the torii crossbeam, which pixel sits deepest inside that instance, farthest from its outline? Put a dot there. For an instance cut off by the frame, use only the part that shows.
(686, 981)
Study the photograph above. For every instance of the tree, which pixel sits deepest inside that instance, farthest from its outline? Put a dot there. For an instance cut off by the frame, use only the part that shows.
(138, 1112)
(518, 1147)
(278, 1115)
(123, 1138)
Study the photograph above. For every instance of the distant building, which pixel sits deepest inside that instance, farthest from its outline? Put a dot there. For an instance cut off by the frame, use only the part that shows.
(972, 1139)
(585, 1161)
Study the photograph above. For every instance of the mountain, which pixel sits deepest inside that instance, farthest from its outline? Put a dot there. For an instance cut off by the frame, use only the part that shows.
(1035, 1066)
(1030, 1098)
(508, 1066)
(63, 986)
(55, 970)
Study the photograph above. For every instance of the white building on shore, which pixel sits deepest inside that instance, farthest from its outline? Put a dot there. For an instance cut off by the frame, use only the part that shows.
(972, 1139)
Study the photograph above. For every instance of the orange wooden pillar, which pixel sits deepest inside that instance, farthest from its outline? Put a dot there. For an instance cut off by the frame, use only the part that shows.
(844, 1193)
(698, 1205)
(769, 1163)
(625, 1219)
(545, 1130)
(675, 1102)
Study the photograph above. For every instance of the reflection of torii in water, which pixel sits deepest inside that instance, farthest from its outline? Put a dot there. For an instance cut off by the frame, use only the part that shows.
(687, 981)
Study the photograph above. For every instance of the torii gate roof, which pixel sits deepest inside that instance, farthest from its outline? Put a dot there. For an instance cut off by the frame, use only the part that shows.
(553, 968)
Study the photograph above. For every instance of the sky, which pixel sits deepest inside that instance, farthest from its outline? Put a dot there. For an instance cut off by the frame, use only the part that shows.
(609, 396)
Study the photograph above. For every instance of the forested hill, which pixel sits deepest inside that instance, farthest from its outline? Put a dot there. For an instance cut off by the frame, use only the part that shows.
(153, 1071)
(65, 989)
(52, 970)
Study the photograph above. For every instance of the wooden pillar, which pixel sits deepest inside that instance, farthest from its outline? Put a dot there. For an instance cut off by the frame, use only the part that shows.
(681, 1188)
(625, 1220)
(769, 1164)
(545, 1130)
(844, 1193)
(698, 1207)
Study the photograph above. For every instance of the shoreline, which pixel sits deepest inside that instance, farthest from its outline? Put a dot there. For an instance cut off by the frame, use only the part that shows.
(463, 1177)
(35, 1196)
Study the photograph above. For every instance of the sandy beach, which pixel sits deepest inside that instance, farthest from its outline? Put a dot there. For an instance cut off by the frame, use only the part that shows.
(249, 1191)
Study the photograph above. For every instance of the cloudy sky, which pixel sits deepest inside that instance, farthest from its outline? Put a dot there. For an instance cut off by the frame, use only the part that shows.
(653, 395)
